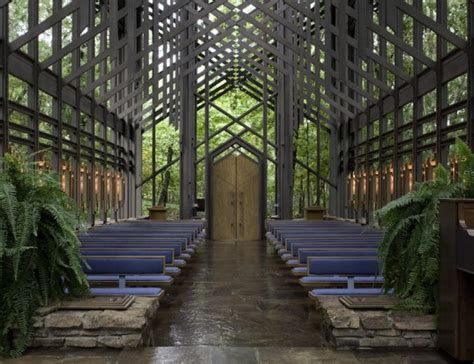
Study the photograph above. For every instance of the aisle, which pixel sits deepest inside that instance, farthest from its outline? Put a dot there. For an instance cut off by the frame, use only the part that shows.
(237, 294)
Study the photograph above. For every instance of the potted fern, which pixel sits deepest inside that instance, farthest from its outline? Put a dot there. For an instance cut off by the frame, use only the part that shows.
(39, 250)
(410, 248)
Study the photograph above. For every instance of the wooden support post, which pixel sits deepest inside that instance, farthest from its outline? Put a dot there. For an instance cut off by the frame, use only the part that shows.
(188, 134)
(470, 121)
(4, 51)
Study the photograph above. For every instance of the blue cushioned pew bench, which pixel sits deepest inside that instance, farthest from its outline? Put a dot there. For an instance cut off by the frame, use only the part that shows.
(276, 231)
(315, 237)
(327, 237)
(312, 229)
(177, 245)
(195, 229)
(142, 233)
(308, 232)
(339, 250)
(329, 250)
(144, 273)
(138, 256)
(139, 239)
(192, 231)
(332, 258)
(174, 262)
(310, 277)
(273, 226)
(168, 253)
(293, 246)
(349, 270)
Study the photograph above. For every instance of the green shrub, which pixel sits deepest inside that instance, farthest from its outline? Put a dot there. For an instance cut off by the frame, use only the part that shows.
(39, 250)
(410, 248)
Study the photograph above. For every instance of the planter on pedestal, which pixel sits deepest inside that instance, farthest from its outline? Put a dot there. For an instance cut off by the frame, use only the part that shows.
(157, 213)
(314, 213)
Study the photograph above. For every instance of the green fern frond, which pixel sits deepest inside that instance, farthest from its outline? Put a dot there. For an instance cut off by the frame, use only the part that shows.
(410, 247)
(39, 251)
(8, 203)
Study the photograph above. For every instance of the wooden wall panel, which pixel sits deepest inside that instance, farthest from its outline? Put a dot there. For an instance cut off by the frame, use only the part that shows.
(248, 199)
(223, 199)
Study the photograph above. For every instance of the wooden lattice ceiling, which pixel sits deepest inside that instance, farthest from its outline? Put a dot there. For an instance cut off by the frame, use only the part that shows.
(143, 49)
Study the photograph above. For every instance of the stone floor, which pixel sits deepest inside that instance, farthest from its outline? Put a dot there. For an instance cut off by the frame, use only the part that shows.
(235, 304)
(236, 294)
(225, 355)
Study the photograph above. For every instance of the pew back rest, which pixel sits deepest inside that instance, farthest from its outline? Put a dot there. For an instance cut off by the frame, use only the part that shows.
(124, 265)
(167, 253)
(304, 254)
(352, 266)
(136, 242)
(145, 235)
(335, 245)
(133, 245)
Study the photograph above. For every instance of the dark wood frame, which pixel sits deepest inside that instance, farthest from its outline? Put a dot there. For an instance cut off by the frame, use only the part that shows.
(148, 61)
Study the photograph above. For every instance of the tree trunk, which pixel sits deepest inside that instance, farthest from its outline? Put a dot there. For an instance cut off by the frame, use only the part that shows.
(163, 199)
(302, 198)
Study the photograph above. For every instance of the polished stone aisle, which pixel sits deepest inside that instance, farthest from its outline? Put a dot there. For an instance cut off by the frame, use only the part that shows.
(234, 303)
(237, 294)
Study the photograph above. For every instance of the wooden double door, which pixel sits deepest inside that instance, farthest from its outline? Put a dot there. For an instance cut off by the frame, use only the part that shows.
(236, 188)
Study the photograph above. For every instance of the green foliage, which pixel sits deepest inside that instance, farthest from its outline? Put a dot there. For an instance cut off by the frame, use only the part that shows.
(305, 182)
(235, 103)
(466, 167)
(410, 248)
(39, 250)
(167, 136)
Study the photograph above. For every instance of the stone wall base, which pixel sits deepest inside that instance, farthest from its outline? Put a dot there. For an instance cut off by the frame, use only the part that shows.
(369, 329)
(96, 328)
